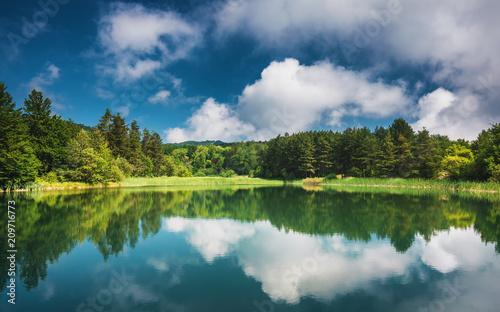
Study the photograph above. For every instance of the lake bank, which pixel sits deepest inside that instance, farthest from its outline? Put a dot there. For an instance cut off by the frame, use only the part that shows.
(464, 186)
(157, 181)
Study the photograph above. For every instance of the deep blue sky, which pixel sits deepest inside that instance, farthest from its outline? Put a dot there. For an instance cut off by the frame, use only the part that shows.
(245, 69)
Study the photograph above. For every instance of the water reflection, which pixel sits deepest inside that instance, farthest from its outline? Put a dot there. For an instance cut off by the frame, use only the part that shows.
(296, 247)
(292, 265)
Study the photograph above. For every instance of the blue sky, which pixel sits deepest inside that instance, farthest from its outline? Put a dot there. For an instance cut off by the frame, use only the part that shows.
(251, 69)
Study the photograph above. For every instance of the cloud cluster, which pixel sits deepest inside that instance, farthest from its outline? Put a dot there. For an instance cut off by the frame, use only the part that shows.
(446, 113)
(450, 44)
(291, 97)
(212, 121)
(453, 41)
(138, 41)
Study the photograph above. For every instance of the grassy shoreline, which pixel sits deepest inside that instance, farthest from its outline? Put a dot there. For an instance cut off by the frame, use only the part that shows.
(490, 187)
(470, 186)
(173, 181)
(158, 181)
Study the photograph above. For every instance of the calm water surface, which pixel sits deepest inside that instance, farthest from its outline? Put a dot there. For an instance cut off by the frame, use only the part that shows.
(254, 249)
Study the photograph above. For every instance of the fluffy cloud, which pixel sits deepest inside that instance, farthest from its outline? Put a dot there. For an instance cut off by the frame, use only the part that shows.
(138, 41)
(445, 33)
(291, 97)
(443, 112)
(453, 41)
(212, 121)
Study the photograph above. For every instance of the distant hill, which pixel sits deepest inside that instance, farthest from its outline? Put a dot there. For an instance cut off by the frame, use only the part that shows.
(198, 143)
(84, 127)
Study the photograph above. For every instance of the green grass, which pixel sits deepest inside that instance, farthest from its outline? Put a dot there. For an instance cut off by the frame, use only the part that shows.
(162, 181)
(417, 183)
(309, 183)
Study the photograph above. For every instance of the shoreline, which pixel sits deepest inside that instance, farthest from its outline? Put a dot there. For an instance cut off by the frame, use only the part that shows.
(412, 187)
(485, 187)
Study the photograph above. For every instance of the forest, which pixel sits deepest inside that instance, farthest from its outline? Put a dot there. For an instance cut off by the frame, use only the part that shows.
(37, 146)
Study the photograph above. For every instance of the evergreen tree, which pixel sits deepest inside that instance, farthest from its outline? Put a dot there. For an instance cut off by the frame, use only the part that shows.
(104, 124)
(37, 117)
(427, 159)
(118, 136)
(323, 148)
(152, 147)
(305, 152)
(135, 148)
(386, 157)
(399, 128)
(403, 156)
(18, 163)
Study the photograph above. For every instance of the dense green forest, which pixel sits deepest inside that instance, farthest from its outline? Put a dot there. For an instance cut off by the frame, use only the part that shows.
(37, 146)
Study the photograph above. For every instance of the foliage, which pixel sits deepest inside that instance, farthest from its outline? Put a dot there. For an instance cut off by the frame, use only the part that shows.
(18, 163)
(91, 160)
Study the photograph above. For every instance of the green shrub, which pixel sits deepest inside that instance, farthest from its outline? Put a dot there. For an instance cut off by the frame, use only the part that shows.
(200, 174)
(228, 173)
(124, 166)
(331, 176)
(50, 177)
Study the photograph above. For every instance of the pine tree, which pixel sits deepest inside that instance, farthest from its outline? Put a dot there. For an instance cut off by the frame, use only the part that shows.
(305, 152)
(427, 159)
(37, 117)
(134, 149)
(18, 163)
(403, 156)
(118, 136)
(386, 157)
(105, 123)
(323, 151)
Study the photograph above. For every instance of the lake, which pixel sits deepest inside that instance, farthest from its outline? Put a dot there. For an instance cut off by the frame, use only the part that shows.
(253, 249)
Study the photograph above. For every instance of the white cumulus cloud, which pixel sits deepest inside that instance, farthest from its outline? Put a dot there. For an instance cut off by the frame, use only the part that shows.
(291, 97)
(212, 121)
(444, 112)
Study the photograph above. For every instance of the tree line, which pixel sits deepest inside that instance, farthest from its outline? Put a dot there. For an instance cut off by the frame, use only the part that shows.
(38, 146)
(396, 151)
